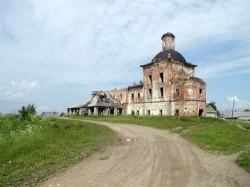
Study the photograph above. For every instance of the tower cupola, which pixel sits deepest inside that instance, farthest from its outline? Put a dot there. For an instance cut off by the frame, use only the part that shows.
(168, 41)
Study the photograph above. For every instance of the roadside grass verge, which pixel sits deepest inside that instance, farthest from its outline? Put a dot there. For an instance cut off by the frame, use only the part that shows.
(244, 159)
(174, 123)
(31, 150)
(244, 124)
(211, 134)
(224, 138)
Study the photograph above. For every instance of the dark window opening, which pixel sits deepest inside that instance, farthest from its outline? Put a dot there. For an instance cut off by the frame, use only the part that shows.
(161, 92)
(200, 91)
(112, 111)
(150, 79)
(148, 112)
(138, 112)
(200, 112)
(139, 96)
(161, 77)
(160, 112)
(149, 93)
(120, 96)
(132, 96)
(177, 92)
(177, 112)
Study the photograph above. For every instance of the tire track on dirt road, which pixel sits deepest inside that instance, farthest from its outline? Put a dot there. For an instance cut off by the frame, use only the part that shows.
(147, 157)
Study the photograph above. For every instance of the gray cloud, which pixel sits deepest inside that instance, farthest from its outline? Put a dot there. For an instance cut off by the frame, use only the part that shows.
(102, 43)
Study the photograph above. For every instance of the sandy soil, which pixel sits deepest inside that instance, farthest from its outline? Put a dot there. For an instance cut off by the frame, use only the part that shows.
(147, 157)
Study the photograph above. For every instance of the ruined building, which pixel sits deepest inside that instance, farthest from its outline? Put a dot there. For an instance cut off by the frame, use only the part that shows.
(169, 88)
(101, 103)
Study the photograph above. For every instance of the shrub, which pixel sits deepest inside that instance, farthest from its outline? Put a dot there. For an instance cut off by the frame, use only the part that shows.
(27, 112)
(244, 159)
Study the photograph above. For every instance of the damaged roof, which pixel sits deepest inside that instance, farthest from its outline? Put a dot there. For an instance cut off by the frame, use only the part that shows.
(80, 104)
(99, 98)
(164, 54)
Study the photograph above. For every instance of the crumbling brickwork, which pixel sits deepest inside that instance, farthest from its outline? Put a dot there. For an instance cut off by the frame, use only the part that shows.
(169, 86)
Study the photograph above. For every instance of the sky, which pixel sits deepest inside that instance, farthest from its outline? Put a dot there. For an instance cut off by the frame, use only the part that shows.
(53, 54)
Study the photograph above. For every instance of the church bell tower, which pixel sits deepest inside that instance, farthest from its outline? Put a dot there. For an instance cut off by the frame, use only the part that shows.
(168, 41)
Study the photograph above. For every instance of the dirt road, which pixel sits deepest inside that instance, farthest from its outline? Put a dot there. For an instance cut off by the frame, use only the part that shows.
(147, 157)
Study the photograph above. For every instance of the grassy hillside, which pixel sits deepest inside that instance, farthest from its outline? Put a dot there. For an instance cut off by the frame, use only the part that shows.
(32, 149)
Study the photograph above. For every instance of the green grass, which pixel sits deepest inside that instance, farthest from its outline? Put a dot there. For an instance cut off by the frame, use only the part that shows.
(160, 122)
(223, 138)
(32, 150)
(244, 124)
(211, 134)
(244, 159)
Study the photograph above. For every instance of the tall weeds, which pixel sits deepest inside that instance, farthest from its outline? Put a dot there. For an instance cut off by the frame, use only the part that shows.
(32, 149)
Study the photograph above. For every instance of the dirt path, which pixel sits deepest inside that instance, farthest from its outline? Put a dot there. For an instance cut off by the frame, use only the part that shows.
(147, 157)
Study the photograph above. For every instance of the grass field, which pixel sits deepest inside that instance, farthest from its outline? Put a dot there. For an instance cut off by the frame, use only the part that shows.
(30, 150)
(245, 124)
(211, 134)
(174, 123)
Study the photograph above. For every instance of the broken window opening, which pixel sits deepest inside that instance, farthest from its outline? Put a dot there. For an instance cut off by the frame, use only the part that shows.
(150, 79)
(177, 92)
(160, 112)
(200, 112)
(200, 91)
(148, 112)
(149, 93)
(132, 96)
(177, 112)
(161, 77)
(161, 92)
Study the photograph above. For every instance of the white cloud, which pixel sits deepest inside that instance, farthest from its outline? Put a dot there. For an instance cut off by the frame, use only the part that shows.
(236, 103)
(233, 99)
(240, 104)
(18, 90)
(102, 43)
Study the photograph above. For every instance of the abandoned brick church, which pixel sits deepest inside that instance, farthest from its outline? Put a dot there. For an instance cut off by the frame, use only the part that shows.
(169, 88)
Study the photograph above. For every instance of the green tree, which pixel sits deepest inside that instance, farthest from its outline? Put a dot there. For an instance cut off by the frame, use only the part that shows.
(31, 109)
(218, 113)
(213, 104)
(247, 110)
(27, 111)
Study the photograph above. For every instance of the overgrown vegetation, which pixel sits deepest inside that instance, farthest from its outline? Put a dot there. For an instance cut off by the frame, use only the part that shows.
(224, 138)
(26, 112)
(211, 134)
(33, 148)
(244, 124)
(244, 159)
